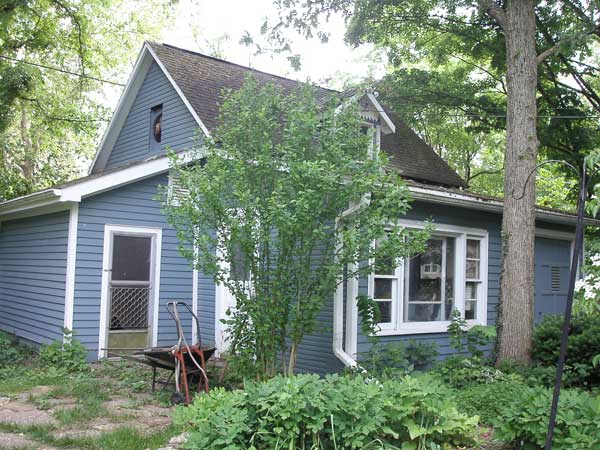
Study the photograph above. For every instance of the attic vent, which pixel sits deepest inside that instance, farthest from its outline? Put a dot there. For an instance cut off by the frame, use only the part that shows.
(555, 278)
(176, 191)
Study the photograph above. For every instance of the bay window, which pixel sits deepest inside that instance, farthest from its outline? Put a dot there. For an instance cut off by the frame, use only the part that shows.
(418, 294)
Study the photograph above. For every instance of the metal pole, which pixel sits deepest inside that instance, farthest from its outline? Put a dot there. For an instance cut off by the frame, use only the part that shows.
(568, 308)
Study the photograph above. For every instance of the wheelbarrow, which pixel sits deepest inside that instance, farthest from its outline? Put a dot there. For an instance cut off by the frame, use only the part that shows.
(186, 362)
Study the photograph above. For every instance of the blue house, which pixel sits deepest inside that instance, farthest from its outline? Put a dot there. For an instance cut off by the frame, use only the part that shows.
(97, 256)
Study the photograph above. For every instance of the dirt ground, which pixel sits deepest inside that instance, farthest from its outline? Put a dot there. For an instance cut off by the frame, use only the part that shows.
(83, 412)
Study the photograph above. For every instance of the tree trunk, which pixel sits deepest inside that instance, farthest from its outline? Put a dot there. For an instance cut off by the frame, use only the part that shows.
(518, 222)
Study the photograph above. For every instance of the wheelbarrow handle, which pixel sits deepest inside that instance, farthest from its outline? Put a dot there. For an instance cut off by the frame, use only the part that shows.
(172, 309)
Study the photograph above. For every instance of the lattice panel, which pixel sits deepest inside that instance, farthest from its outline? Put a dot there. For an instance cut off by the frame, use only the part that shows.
(129, 307)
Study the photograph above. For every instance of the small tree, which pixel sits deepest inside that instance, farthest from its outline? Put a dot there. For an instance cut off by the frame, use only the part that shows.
(267, 196)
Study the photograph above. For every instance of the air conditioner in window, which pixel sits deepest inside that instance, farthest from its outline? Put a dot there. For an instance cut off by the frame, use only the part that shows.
(431, 271)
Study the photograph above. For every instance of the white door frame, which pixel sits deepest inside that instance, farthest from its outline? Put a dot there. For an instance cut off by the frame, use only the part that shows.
(155, 256)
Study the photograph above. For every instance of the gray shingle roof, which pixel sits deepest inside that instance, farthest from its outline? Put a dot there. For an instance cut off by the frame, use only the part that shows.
(202, 80)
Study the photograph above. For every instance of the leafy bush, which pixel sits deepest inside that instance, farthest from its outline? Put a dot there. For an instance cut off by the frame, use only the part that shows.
(11, 353)
(488, 400)
(473, 338)
(523, 420)
(459, 371)
(69, 354)
(398, 358)
(584, 342)
(331, 413)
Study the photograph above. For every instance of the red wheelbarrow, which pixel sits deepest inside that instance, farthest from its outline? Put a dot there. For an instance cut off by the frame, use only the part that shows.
(186, 362)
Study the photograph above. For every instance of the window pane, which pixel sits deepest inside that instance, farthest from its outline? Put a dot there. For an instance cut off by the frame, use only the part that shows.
(239, 270)
(449, 285)
(472, 268)
(385, 312)
(428, 283)
(424, 312)
(471, 289)
(425, 274)
(385, 266)
(383, 288)
(472, 249)
(131, 258)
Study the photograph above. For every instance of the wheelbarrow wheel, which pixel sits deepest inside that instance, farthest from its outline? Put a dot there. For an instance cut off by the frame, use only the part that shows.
(177, 398)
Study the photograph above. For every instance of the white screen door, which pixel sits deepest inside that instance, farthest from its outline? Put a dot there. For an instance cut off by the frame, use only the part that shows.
(129, 315)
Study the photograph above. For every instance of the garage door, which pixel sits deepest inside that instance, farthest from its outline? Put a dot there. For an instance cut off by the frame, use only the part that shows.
(552, 262)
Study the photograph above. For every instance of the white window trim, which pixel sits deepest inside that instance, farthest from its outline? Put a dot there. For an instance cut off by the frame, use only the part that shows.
(222, 293)
(126, 230)
(70, 274)
(461, 234)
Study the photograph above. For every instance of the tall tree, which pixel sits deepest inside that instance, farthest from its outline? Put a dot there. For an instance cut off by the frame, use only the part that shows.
(52, 53)
(515, 37)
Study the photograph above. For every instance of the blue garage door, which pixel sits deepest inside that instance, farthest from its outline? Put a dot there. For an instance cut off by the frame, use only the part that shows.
(552, 262)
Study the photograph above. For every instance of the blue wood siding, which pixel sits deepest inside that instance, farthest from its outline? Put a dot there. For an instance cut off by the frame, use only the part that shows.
(179, 129)
(33, 261)
(134, 205)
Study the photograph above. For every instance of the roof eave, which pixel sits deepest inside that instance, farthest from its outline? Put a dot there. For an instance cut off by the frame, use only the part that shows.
(494, 206)
(48, 200)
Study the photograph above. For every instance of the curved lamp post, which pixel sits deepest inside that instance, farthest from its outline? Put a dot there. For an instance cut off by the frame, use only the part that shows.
(579, 229)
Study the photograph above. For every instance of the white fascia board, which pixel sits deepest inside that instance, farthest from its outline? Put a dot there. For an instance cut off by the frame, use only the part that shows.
(389, 126)
(127, 175)
(45, 198)
(495, 206)
(136, 78)
(178, 90)
(62, 198)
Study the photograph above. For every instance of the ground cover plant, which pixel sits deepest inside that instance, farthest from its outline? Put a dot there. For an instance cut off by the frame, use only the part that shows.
(335, 412)
(55, 399)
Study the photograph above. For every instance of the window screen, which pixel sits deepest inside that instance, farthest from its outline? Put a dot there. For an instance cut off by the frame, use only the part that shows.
(131, 258)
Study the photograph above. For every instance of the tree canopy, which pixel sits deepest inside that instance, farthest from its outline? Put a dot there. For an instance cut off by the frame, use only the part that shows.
(447, 77)
(52, 55)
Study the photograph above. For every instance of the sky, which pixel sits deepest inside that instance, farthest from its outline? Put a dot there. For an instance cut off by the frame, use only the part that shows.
(202, 22)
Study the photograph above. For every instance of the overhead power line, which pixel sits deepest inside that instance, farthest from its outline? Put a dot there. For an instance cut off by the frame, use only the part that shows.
(467, 115)
(57, 69)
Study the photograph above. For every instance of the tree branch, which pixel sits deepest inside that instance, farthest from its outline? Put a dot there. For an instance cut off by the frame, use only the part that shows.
(494, 10)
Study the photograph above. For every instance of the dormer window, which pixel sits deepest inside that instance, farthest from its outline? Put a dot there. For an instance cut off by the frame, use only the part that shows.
(156, 117)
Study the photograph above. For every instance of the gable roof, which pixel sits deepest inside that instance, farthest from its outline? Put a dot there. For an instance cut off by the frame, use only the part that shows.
(200, 81)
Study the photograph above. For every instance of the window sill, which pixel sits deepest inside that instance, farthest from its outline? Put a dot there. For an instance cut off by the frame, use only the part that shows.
(423, 328)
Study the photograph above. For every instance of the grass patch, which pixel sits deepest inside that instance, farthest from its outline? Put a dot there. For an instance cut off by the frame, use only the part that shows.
(14, 380)
(80, 413)
(122, 438)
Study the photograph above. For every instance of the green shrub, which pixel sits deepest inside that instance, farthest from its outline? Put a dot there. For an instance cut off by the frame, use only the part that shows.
(584, 345)
(474, 338)
(11, 353)
(488, 400)
(69, 354)
(523, 420)
(337, 412)
(459, 371)
(395, 359)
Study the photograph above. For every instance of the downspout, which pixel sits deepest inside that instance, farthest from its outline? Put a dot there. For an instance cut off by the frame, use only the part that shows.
(338, 301)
